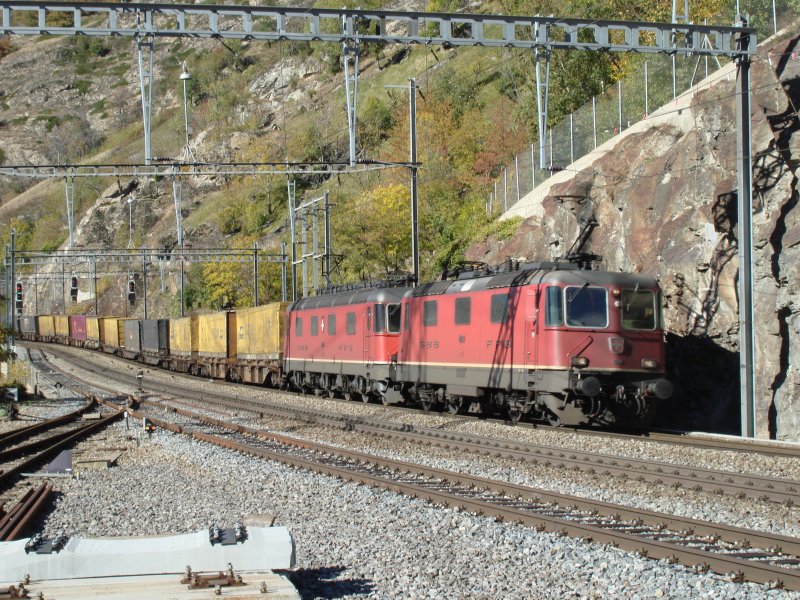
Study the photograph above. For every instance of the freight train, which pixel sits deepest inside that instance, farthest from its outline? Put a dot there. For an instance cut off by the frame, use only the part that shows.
(548, 341)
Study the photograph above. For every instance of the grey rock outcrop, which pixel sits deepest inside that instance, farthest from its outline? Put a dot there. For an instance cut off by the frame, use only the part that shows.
(665, 199)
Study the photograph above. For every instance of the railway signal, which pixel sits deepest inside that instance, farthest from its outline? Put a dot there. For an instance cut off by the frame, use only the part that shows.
(18, 298)
(131, 291)
(73, 290)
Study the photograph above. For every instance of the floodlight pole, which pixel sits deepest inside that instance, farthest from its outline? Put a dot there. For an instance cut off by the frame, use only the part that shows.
(745, 235)
(412, 117)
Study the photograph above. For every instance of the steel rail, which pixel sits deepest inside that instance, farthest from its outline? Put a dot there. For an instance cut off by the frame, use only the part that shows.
(7, 475)
(683, 438)
(676, 475)
(676, 438)
(12, 437)
(23, 513)
(623, 535)
(693, 478)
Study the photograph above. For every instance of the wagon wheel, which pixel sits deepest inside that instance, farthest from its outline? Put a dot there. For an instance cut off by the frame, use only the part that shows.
(514, 415)
(454, 404)
(331, 392)
(425, 403)
(384, 399)
(363, 397)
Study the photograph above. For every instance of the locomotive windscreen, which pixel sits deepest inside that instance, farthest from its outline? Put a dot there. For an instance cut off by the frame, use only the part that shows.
(587, 306)
(638, 309)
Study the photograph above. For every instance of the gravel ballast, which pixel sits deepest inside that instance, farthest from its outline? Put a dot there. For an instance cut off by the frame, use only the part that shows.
(354, 541)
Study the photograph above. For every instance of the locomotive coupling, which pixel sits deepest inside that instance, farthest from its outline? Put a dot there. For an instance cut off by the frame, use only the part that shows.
(588, 386)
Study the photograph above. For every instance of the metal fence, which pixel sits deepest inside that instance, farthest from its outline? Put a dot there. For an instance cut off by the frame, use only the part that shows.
(657, 82)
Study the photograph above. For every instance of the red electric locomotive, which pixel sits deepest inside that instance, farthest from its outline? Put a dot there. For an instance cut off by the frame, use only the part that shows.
(551, 340)
(344, 342)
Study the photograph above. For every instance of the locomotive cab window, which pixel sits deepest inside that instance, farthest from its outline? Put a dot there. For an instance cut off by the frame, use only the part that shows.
(499, 308)
(554, 307)
(351, 323)
(380, 318)
(393, 318)
(463, 311)
(298, 326)
(586, 306)
(638, 309)
(429, 313)
(331, 324)
(314, 325)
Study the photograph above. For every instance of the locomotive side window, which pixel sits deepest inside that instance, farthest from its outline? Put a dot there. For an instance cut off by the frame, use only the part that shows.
(638, 309)
(380, 319)
(463, 311)
(298, 326)
(429, 313)
(499, 308)
(314, 325)
(331, 324)
(554, 309)
(351, 323)
(393, 317)
(586, 306)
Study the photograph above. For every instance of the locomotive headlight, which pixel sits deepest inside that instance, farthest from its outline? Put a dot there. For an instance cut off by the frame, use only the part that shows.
(579, 362)
(615, 292)
(649, 363)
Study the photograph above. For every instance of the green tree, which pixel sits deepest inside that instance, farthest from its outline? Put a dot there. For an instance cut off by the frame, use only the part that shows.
(374, 232)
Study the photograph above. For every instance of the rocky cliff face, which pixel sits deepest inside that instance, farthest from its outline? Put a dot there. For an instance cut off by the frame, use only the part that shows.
(666, 203)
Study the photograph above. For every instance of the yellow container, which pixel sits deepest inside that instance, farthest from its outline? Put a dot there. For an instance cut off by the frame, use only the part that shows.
(109, 331)
(61, 323)
(93, 329)
(259, 331)
(212, 335)
(47, 327)
(183, 336)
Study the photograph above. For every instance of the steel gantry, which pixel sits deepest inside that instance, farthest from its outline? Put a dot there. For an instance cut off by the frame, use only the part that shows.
(353, 28)
(26, 265)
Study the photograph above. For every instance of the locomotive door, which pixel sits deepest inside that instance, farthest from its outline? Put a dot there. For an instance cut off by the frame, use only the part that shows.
(367, 330)
(530, 308)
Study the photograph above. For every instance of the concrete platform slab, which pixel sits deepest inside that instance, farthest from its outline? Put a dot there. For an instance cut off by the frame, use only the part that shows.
(264, 548)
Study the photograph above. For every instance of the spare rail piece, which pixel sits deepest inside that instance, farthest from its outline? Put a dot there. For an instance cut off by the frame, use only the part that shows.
(21, 515)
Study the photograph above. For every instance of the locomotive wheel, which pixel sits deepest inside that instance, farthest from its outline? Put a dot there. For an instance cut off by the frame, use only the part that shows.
(454, 404)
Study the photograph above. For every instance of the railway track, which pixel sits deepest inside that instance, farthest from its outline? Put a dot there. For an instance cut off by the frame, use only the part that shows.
(676, 438)
(740, 553)
(29, 447)
(694, 478)
(743, 554)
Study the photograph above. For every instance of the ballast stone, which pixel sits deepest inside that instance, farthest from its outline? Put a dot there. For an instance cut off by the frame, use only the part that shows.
(265, 548)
